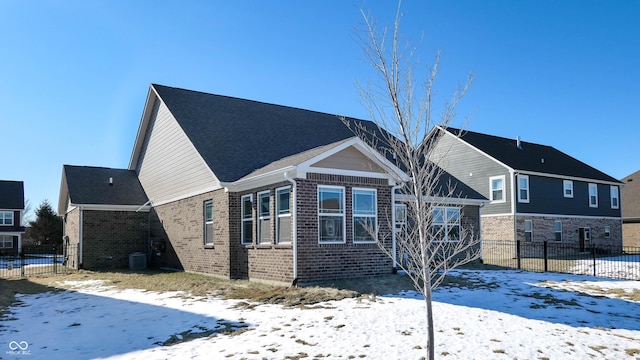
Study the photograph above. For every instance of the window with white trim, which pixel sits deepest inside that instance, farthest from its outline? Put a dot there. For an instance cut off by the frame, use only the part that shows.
(247, 219)
(365, 215)
(496, 187)
(283, 212)
(557, 228)
(615, 197)
(264, 217)
(6, 218)
(331, 215)
(401, 215)
(6, 241)
(567, 188)
(523, 188)
(607, 231)
(528, 230)
(208, 222)
(446, 223)
(593, 195)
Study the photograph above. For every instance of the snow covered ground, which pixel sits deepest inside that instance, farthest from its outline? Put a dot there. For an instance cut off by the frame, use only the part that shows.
(503, 315)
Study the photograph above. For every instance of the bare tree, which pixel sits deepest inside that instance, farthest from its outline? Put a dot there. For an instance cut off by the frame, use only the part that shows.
(437, 238)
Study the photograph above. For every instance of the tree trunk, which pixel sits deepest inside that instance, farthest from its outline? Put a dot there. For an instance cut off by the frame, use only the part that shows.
(430, 350)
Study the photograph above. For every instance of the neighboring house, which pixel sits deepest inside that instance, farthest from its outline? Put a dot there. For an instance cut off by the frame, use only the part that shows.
(631, 210)
(105, 214)
(11, 213)
(536, 192)
(244, 189)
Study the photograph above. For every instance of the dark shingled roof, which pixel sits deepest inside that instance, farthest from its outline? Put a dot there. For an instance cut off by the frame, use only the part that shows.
(531, 157)
(11, 195)
(90, 185)
(236, 137)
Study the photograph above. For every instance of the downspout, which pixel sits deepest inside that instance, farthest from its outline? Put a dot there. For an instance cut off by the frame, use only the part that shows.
(513, 181)
(80, 235)
(393, 226)
(480, 228)
(294, 221)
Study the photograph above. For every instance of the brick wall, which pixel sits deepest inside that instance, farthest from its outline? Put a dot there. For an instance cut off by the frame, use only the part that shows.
(497, 228)
(180, 225)
(631, 233)
(270, 262)
(543, 229)
(350, 260)
(72, 231)
(108, 237)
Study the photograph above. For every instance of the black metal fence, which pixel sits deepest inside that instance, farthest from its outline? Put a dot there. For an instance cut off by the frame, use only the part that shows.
(617, 262)
(38, 260)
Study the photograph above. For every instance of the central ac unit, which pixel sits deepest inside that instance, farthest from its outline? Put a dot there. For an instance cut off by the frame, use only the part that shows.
(137, 261)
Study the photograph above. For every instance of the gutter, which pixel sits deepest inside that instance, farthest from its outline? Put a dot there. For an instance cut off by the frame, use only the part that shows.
(294, 220)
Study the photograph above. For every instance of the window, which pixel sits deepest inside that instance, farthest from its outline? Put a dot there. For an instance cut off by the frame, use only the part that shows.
(6, 242)
(283, 210)
(264, 217)
(593, 195)
(567, 185)
(497, 188)
(331, 214)
(523, 188)
(6, 217)
(528, 230)
(615, 198)
(557, 227)
(247, 219)
(607, 231)
(446, 223)
(401, 215)
(365, 215)
(208, 222)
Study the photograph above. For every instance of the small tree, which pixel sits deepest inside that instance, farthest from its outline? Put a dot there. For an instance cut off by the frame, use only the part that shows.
(46, 229)
(403, 113)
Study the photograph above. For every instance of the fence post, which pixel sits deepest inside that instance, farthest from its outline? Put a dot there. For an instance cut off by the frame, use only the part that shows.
(55, 259)
(593, 251)
(518, 253)
(546, 256)
(22, 262)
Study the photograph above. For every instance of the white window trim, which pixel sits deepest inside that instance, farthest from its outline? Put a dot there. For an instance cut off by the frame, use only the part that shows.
(343, 215)
(593, 186)
(555, 231)
(400, 223)
(374, 216)
(261, 217)
(2, 217)
(243, 219)
(446, 222)
(520, 198)
(204, 208)
(607, 232)
(530, 231)
(504, 189)
(3, 240)
(564, 188)
(279, 216)
(614, 189)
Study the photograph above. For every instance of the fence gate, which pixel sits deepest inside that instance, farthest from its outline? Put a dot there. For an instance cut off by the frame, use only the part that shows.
(37, 260)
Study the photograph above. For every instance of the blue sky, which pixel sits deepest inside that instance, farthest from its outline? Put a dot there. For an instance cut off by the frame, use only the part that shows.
(74, 75)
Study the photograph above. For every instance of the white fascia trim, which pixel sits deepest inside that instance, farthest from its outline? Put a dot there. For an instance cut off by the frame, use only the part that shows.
(142, 128)
(190, 194)
(569, 216)
(108, 207)
(566, 177)
(391, 171)
(11, 233)
(443, 200)
(260, 180)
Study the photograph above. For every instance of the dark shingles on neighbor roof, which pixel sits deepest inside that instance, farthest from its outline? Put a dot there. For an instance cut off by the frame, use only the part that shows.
(11, 194)
(90, 185)
(236, 137)
(531, 157)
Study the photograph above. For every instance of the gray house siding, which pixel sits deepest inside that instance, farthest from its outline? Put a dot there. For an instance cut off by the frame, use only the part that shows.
(474, 169)
(547, 197)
